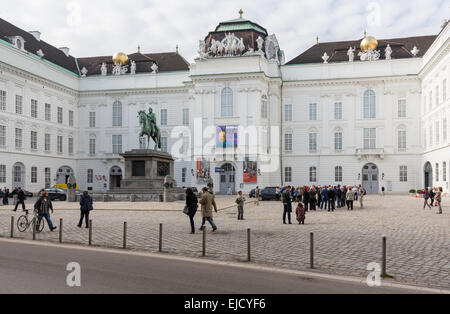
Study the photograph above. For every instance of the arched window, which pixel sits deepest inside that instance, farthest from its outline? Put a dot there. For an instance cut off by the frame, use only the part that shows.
(117, 114)
(369, 105)
(227, 102)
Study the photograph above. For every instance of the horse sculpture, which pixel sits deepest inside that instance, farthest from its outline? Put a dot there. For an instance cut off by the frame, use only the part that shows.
(149, 128)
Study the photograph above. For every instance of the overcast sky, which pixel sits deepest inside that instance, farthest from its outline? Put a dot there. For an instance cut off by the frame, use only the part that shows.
(100, 27)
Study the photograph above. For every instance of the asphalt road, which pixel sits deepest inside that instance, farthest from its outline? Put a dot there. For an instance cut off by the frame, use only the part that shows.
(28, 268)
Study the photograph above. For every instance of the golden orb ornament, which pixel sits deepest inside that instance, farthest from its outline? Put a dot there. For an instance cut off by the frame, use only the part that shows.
(120, 58)
(369, 42)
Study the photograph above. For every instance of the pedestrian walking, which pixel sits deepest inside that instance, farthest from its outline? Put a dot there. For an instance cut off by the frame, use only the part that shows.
(438, 199)
(301, 213)
(85, 208)
(362, 193)
(432, 194)
(14, 193)
(257, 196)
(20, 199)
(426, 196)
(5, 196)
(240, 201)
(350, 197)
(382, 191)
(43, 206)
(287, 204)
(192, 206)
(208, 203)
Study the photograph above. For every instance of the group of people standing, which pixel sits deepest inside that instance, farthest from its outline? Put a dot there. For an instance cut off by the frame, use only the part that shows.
(434, 195)
(4, 195)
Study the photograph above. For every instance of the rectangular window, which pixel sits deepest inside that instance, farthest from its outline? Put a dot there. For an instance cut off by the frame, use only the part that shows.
(90, 176)
(264, 108)
(437, 96)
(338, 141)
(2, 135)
(33, 174)
(70, 144)
(2, 173)
(34, 140)
(92, 119)
(338, 174)
(444, 90)
(117, 144)
(370, 111)
(164, 144)
(431, 135)
(437, 133)
(444, 171)
(18, 138)
(288, 112)
(288, 142)
(92, 146)
(19, 104)
(59, 144)
(437, 172)
(312, 112)
(444, 130)
(117, 114)
(47, 176)
(163, 116)
(338, 111)
(312, 174)
(312, 142)
(60, 115)
(401, 139)
(402, 108)
(70, 118)
(185, 116)
(183, 175)
(2, 100)
(430, 101)
(34, 108)
(47, 144)
(403, 174)
(48, 112)
(370, 138)
(288, 174)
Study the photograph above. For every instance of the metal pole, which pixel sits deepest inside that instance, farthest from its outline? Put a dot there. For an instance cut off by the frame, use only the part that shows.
(160, 237)
(34, 228)
(60, 230)
(311, 250)
(90, 232)
(125, 235)
(249, 256)
(383, 257)
(204, 242)
(12, 226)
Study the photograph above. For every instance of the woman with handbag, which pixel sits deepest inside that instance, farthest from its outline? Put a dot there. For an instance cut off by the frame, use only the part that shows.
(191, 207)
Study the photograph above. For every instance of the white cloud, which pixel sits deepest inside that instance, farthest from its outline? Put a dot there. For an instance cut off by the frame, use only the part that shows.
(102, 27)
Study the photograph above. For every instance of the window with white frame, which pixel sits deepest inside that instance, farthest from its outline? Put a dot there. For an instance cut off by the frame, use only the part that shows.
(444, 171)
(402, 108)
(186, 116)
(337, 111)
(48, 112)
(226, 108)
(117, 114)
(288, 174)
(92, 119)
(70, 118)
(33, 141)
(338, 140)
(164, 147)
(444, 130)
(163, 116)
(338, 174)
(425, 142)
(437, 172)
(444, 90)
(288, 112)
(403, 173)
(2, 135)
(19, 104)
(47, 142)
(117, 144)
(312, 174)
(34, 108)
(288, 142)
(2, 173)
(183, 175)
(369, 105)
(437, 133)
(370, 138)
(264, 109)
(59, 115)
(185, 144)
(59, 144)
(312, 142)
(33, 174)
(2, 100)
(430, 100)
(47, 177)
(437, 96)
(92, 146)
(401, 139)
(18, 138)
(90, 176)
(70, 144)
(312, 112)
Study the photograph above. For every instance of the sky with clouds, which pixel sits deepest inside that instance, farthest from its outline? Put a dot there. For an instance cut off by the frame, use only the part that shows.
(100, 27)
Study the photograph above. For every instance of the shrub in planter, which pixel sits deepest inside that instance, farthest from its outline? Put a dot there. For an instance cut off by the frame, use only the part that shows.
(412, 191)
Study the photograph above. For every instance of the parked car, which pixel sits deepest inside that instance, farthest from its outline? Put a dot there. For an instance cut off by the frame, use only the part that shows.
(268, 193)
(56, 194)
(27, 194)
(252, 193)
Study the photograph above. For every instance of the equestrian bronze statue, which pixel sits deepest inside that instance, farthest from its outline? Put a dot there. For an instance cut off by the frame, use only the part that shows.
(149, 128)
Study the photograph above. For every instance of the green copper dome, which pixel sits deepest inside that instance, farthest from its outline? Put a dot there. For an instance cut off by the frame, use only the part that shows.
(240, 24)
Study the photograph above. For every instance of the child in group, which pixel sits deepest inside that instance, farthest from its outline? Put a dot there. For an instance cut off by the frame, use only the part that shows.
(301, 213)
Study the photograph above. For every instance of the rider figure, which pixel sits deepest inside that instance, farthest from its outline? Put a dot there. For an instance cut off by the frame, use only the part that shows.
(152, 121)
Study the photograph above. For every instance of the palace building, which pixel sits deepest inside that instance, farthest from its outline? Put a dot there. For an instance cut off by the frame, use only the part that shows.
(369, 111)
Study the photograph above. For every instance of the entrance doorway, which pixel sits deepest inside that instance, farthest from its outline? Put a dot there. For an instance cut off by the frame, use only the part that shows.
(63, 174)
(115, 177)
(370, 178)
(18, 175)
(227, 180)
(428, 175)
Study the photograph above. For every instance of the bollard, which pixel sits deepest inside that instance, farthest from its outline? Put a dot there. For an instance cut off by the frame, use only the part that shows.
(90, 232)
(383, 257)
(12, 227)
(249, 256)
(124, 235)
(204, 242)
(160, 237)
(34, 228)
(311, 250)
(60, 230)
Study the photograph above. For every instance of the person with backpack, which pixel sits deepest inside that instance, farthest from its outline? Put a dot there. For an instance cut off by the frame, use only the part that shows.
(85, 208)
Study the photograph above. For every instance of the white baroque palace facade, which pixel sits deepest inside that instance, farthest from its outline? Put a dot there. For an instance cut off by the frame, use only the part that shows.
(356, 112)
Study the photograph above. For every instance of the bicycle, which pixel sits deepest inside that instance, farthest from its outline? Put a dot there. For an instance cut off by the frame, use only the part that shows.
(23, 223)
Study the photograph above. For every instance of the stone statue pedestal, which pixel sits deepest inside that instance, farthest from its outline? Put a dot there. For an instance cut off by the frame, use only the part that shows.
(71, 188)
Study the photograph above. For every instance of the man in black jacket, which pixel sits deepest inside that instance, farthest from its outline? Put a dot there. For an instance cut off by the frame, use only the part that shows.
(85, 208)
(20, 199)
(287, 204)
(331, 196)
(312, 198)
